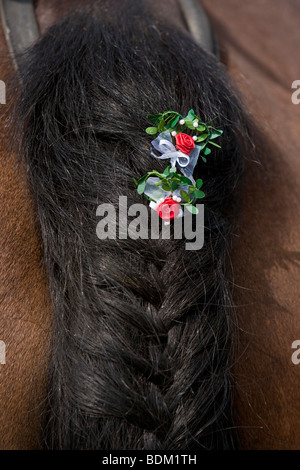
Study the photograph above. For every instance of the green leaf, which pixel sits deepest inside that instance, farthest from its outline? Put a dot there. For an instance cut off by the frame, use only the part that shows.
(167, 171)
(199, 194)
(202, 145)
(155, 118)
(175, 177)
(141, 186)
(201, 128)
(213, 119)
(191, 208)
(151, 130)
(203, 158)
(213, 143)
(141, 183)
(149, 198)
(199, 183)
(185, 196)
(190, 125)
(185, 180)
(170, 114)
(174, 185)
(174, 122)
(191, 115)
(173, 169)
(143, 178)
(161, 125)
(169, 117)
(202, 137)
(216, 133)
(207, 151)
(166, 187)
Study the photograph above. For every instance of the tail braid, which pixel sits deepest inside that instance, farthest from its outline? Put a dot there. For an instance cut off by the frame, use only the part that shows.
(141, 329)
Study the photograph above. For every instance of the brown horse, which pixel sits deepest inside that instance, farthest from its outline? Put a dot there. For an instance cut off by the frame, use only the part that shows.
(258, 44)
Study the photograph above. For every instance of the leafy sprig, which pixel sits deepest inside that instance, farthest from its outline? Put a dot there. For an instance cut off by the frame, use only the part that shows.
(171, 181)
(173, 121)
(204, 135)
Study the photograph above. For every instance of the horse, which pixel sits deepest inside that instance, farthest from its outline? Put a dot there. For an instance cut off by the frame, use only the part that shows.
(141, 344)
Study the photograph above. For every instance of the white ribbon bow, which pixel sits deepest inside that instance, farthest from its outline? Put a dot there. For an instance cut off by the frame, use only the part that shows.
(163, 144)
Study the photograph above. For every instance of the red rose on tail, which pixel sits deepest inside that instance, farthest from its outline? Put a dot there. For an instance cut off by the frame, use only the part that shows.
(184, 143)
(168, 209)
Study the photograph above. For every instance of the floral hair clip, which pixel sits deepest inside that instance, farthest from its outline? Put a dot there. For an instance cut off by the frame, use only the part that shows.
(181, 140)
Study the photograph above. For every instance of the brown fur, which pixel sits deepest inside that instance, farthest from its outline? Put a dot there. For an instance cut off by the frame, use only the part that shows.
(24, 304)
(261, 51)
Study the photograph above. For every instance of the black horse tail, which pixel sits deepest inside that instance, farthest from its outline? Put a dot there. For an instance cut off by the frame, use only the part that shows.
(142, 329)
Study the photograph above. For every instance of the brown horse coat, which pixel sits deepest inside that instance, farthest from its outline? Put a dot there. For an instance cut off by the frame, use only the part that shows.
(260, 46)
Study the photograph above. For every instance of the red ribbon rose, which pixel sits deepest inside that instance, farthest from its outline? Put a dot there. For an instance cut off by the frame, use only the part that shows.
(168, 209)
(184, 143)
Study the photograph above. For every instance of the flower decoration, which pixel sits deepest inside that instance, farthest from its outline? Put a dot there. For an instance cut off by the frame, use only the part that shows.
(168, 208)
(184, 142)
(181, 140)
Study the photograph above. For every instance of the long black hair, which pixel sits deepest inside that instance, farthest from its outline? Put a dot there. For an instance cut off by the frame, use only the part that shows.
(142, 329)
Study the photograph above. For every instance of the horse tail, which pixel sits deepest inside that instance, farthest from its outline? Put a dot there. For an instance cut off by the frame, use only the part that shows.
(142, 329)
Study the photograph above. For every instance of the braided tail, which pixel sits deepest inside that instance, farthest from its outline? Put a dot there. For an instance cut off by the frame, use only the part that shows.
(142, 329)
